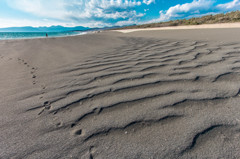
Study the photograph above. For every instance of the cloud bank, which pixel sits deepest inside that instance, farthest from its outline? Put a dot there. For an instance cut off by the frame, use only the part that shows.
(85, 11)
(234, 5)
(148, 1)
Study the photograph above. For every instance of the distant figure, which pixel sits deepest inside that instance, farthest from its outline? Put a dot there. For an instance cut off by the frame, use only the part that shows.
(46, 35)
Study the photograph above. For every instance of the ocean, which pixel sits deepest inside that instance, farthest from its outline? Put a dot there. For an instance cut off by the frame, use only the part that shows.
(30, 35)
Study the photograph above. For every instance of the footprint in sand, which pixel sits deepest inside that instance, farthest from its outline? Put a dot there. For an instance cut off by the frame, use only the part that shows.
(78, 132)
(59, 124)
(47, 106)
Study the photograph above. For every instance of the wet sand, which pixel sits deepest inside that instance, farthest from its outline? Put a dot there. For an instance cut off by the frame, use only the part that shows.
(144, 94)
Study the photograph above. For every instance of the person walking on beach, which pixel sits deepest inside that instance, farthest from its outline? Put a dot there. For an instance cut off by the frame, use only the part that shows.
(46, 35)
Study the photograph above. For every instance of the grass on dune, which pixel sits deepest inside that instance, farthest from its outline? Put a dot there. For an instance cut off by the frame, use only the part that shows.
(230, 17)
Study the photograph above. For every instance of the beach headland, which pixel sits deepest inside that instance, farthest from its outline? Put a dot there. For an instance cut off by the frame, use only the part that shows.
(144, 94)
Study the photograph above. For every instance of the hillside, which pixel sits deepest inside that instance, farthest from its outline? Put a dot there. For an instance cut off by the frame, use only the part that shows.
(230, 17)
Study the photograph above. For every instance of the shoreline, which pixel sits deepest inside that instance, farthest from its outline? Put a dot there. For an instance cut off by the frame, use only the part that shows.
(189, 27)
(43, 37)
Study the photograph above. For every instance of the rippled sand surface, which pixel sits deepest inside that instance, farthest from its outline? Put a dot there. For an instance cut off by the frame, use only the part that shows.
(151, 94)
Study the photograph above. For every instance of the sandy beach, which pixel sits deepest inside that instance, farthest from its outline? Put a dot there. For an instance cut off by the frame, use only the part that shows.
(143, 94)
(184, 27)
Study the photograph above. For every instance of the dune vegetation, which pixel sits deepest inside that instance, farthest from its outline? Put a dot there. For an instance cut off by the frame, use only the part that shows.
(230, 17)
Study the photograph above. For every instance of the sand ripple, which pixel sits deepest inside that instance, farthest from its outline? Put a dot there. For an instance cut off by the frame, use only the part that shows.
(159, 98)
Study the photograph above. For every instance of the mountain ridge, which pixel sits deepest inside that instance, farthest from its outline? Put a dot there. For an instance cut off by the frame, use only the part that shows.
(54, 28)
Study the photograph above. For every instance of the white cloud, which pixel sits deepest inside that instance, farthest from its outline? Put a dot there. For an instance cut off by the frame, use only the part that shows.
(77, 9)
(94, 13)
(148, 1)
(122, 23)
(179, 11)
(50, 9)
(106, 10)
(234, 5)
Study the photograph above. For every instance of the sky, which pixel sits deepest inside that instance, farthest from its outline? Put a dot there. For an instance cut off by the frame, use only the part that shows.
(105, 13)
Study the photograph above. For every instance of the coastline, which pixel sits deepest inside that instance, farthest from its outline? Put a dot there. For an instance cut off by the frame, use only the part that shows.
(191, 27)
(42, 37)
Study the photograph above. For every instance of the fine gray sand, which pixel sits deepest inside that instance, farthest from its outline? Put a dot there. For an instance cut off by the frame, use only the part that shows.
(147, 94)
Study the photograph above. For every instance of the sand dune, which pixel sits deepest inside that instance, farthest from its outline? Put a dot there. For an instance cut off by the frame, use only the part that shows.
(112, 95)
(188, 27)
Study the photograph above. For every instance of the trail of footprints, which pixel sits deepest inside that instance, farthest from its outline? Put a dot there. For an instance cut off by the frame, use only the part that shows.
(147, 80)
(30, 68)
(33, 74)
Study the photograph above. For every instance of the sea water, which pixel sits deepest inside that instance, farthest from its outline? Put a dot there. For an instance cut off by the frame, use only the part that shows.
(29, 35)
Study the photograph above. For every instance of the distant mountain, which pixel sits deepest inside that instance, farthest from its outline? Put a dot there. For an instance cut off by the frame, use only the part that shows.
(44, 29)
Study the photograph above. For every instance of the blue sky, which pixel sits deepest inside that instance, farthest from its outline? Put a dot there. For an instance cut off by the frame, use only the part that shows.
(101, 13)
